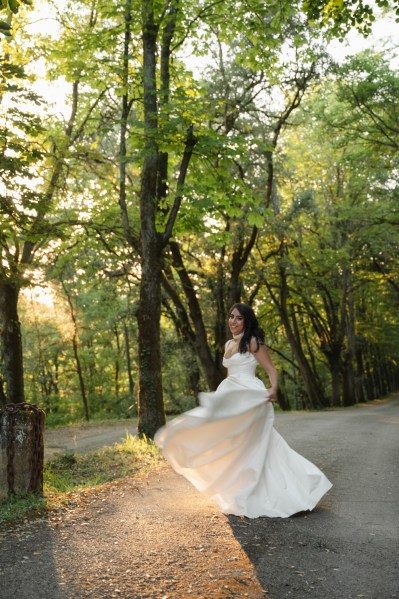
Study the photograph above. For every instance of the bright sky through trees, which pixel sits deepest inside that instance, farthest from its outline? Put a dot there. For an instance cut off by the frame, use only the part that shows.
(42, 20)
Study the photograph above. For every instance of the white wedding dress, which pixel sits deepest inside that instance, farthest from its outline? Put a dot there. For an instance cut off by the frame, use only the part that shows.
(228, 449)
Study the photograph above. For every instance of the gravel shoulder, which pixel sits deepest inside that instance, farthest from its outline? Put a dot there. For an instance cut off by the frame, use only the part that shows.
(155, 536)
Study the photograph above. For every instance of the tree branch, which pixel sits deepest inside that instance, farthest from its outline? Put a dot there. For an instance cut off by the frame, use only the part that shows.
(191, 140)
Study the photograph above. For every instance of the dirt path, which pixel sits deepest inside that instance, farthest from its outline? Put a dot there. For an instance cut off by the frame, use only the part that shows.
(156, 537)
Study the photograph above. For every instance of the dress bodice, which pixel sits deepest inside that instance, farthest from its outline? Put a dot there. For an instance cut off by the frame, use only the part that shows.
(241, 364)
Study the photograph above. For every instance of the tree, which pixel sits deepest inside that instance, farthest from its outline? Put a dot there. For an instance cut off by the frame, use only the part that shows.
(339, 195)
(191, 169)
(28, 200)
(245, 123)
(20, 205)
(338, 17)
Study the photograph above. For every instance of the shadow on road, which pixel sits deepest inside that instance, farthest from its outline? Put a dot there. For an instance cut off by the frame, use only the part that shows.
(347, 548)
(28, 563)
(289, 554)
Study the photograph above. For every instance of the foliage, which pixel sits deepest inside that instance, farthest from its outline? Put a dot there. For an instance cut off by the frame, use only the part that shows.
(7, 9)
(339, 16)
(103, 326)
(336, 214)
(290, 203)
(20, 158)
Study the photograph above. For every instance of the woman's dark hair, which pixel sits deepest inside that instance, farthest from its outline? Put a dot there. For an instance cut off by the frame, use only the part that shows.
(251, 328)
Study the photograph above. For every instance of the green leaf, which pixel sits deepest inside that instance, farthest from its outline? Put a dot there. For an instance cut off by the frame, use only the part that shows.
(255, 219)
(14, 6)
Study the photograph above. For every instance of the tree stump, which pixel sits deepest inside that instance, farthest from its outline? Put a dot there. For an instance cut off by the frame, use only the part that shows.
(21, 449)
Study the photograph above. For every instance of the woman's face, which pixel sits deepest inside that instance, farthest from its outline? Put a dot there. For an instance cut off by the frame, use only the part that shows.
(236, 322)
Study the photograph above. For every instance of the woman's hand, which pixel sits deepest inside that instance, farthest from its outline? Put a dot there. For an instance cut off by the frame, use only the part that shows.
(272, 394)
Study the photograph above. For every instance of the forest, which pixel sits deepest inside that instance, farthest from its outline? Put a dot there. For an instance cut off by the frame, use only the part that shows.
(161, 160)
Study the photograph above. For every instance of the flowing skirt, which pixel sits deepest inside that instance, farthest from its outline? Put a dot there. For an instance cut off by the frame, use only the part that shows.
(229, 450)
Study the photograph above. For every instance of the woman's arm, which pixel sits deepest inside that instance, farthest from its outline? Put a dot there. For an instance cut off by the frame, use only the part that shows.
(264, 359)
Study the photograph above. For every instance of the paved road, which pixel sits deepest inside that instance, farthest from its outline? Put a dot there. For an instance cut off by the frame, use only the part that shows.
(87, 437)
(349, 546)
(163, 539)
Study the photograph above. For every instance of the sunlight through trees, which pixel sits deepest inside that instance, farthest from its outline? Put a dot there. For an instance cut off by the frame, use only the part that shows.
(165, 193)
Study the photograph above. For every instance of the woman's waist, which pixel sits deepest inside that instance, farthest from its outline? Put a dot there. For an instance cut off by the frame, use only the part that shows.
(240, 376)
(240, 371)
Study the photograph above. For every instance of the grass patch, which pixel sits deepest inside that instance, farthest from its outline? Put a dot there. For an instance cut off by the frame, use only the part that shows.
(74, 472)
(18, 507)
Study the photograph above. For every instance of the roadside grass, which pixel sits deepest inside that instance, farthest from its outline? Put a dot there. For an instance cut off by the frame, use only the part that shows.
(17, 508)
(72, 473)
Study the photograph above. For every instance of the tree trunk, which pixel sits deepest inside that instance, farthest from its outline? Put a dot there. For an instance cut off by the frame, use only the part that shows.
(152, 195)
(212, 369)
(128, 361)
(11, 359)
(349, 397)
(151, 414)
(379, 364)
(117, 364)
(75, 347)
(360, 372)
(314, 394)
(21, 450)
(332, 351)
(335, 369)
(348, 381)
(221, 312)
(370, 386)
(194, 381)
(311, 359)
(282, 398)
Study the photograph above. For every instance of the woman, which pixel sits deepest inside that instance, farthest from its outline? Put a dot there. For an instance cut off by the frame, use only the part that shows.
(227, 447)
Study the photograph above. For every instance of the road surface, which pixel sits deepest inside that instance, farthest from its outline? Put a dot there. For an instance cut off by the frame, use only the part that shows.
(85, 437)
(158, 538)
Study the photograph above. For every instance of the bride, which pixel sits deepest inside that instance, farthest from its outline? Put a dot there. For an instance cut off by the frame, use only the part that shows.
(228, 448)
